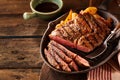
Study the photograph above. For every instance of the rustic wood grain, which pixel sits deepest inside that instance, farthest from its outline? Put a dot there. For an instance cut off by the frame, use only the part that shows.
(20, 53)
(15, 25)
(19, 74)
(49, 74)
(14, 6)
(20, 58)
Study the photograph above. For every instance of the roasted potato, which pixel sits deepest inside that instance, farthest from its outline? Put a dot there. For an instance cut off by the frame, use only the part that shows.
(91, 10)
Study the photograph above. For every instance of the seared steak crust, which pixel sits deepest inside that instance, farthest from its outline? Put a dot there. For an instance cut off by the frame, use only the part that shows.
(85, 32)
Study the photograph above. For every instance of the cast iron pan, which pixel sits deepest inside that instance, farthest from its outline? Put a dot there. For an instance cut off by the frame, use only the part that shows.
(95, 60)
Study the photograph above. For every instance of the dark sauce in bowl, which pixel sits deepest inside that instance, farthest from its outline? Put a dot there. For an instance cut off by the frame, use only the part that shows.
(46, 7)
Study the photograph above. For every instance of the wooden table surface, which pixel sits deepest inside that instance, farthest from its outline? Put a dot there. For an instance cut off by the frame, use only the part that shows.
(20, 39)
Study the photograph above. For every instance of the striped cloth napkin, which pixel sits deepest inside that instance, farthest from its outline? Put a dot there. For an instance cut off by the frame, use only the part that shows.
(101, 73)
(108, 71)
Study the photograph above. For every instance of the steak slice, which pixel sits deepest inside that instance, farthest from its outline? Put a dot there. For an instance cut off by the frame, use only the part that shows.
(79, 60)
(63, 56)
(61, 62)
(85, 32)
(73, 66)
(65, 50)
(51, 59)
(60, 53)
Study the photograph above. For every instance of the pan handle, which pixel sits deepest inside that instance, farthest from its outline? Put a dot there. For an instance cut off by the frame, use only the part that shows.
(104, 4)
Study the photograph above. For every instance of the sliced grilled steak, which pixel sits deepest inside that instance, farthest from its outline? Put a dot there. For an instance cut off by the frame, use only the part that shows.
(66, 51)
(60, 53)
(79, 60)
(63, 56)
(73, 66)
(84, 33)
(61, 62)
(51, 59)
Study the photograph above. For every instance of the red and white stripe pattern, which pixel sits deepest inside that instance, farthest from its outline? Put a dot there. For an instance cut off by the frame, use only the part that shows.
(101, 73)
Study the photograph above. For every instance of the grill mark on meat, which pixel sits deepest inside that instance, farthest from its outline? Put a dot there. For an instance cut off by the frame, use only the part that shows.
(103, 20)
(70, 26)
(87, 23)
(64, 33)
(88, 45)
(86, 28)
(104, 30)
(57, 32)
(95, 24)
(100, 32)
(75, 29)
(66, 51)
(90, 41)
(72, 30)
(60, 53)
(78, 27)
(62, 63)
(84, 42)
(81, 61)
(61, 32)
(102, 26)
(95, 39)
(51, 59)
(69, 32)
(106, 23)
(76, 40)
(80, 23)
(100, 35)
(69, 38)
(80, 42)
(88, 19)
(78, 36)
(98, 39)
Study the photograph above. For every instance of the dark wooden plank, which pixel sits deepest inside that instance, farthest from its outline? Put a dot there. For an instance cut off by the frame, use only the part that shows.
(48, 74)
(19, 74)
(20, 53)
(15, 25)
(14, 6)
